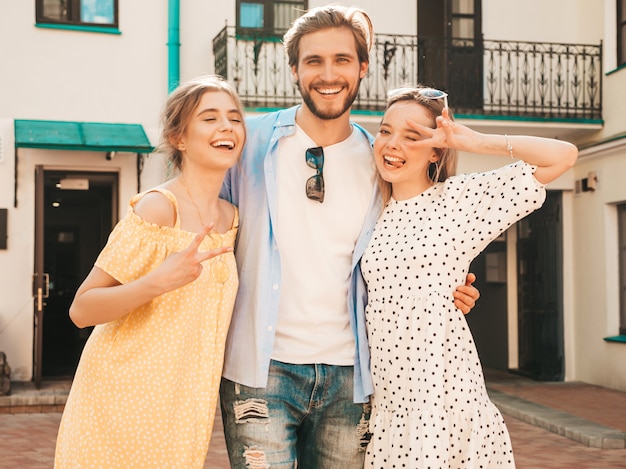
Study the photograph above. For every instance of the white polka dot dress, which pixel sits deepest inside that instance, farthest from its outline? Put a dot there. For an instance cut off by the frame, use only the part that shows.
(430, 405)
(146, 388)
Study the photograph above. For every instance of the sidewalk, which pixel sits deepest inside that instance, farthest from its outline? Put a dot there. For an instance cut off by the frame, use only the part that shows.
(591, 415)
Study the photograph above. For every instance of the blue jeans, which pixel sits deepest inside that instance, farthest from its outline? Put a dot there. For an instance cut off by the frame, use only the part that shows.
(305, 414)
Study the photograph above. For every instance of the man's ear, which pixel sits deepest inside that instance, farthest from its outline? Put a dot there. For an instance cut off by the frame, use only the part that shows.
(363, 70)
(294, 73)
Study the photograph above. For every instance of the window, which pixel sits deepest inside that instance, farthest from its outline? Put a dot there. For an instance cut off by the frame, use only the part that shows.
(621, 32)
(621, 222)
(268, 16)
(101, 13)
(463, 19)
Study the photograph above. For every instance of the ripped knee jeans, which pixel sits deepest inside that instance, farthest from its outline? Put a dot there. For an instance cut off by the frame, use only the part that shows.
(305, 414)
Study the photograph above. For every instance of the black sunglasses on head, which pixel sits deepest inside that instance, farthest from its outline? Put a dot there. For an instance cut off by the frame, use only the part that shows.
(315, 184)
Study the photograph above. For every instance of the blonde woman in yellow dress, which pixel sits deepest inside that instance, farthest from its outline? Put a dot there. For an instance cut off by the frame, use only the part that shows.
(161, 295)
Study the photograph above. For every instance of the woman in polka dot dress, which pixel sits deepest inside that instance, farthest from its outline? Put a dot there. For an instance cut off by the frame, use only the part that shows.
(430, 405)
(161, 295)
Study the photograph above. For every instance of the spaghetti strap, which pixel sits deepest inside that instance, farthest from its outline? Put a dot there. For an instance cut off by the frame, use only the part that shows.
(235, 218)
(171, 197)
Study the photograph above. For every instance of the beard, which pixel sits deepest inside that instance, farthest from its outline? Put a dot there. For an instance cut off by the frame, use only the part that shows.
(328, 114)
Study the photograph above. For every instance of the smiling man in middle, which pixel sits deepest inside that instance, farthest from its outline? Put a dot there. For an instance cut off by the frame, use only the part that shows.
(296, 379)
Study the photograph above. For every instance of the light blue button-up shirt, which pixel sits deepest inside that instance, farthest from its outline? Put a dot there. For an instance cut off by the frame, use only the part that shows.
(251, 185)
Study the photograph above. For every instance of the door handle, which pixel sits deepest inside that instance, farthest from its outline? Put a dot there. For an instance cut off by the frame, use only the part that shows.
(40, 291)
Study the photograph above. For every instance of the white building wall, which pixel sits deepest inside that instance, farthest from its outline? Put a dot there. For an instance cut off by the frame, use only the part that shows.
(388, 17)
(595, 232)
(84, 76)
(16, 269)
(200, 22)
(596, 296)
(613, 105)
(560, 21)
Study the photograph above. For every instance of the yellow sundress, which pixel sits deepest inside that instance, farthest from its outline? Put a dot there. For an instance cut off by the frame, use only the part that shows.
(146, 388)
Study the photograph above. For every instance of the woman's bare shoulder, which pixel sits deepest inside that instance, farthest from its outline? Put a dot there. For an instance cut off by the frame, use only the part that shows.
(155, 207)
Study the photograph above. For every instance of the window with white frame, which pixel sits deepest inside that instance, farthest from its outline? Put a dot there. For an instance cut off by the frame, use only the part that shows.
(77, 12)
(268, 16)
(621, 219)
(621, 32)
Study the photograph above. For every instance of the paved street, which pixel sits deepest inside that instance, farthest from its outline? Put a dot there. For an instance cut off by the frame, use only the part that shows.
(28, 443)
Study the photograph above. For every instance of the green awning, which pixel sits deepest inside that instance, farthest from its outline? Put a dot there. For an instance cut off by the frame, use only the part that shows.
(90, 136)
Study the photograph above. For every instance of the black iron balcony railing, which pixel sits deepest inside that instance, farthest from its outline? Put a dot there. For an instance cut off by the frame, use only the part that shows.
(501, 78)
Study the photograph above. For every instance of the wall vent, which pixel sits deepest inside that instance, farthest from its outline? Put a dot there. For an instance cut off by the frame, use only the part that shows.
(578, 187)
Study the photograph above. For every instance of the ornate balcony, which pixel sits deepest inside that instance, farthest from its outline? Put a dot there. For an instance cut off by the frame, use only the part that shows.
(491, 78)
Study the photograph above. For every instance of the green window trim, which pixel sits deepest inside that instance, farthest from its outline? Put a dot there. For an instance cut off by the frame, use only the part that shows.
(616, 338)
(84, 28)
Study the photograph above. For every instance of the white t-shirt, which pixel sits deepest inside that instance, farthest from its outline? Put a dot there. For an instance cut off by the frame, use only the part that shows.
(316, 241)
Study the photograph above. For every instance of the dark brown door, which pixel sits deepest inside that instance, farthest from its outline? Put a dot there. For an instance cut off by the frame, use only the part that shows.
(450, 51)
(75, 212)
(488, 321)
(540, 289)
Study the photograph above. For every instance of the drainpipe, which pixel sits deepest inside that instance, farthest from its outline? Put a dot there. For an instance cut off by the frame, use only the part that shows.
(173, 44)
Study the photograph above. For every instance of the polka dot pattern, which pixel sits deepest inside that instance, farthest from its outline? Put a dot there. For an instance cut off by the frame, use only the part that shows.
(146, 389)
(430, 404)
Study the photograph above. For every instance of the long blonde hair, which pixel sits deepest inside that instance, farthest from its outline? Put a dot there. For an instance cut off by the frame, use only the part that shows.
(448, 157)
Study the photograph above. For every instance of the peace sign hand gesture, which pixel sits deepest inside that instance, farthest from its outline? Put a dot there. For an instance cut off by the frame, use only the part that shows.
(447, 134)
(183, 267)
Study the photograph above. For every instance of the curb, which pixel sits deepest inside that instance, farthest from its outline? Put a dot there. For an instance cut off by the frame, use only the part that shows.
(568, 425)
